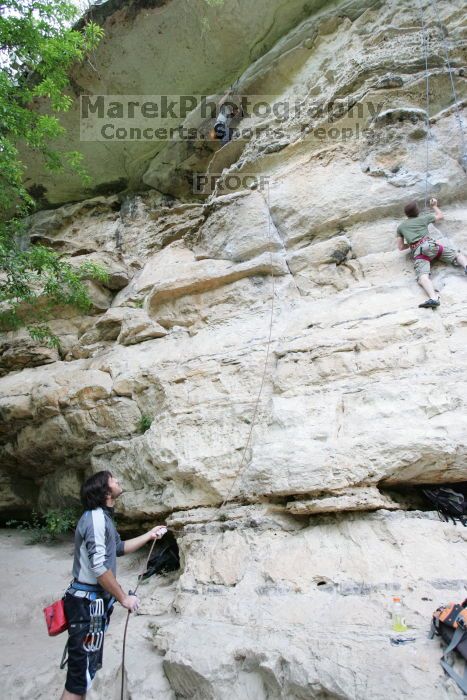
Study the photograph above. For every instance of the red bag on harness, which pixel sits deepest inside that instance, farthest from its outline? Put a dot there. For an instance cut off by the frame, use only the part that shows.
(55, 618)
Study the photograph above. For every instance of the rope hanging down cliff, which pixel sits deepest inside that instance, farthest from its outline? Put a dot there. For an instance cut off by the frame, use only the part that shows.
(455, 99)
(463, 158)
(243, 464)
(268, 347)
(427, 101)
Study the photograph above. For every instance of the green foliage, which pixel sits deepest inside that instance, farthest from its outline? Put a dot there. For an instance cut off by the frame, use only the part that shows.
(59, 522)
(47, 528)
(38, 48)
(35, 282)
(145, 423)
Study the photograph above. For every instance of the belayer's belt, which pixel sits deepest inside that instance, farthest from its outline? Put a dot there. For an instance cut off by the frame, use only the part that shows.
(88, 587)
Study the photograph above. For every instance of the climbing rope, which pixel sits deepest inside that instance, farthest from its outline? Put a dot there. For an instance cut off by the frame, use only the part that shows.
(263, 378)
(427, 101)
(242, 465)
(122, 690)
(455, 98)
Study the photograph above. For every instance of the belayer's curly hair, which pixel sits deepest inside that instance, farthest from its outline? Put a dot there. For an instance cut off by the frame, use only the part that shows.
(95, 490)
(411, 209)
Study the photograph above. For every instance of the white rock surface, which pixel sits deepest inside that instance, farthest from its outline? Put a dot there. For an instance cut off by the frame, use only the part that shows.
(267, 606)
(368, 498)
(284, 592)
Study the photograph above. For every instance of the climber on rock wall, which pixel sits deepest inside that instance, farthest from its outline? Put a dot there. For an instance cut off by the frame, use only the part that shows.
(413, 233)
(228, 111)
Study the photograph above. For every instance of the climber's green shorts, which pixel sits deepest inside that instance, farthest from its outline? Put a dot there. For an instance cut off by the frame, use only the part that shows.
(429, 251)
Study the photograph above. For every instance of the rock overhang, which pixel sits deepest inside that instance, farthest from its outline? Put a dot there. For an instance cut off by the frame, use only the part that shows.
(209, 44)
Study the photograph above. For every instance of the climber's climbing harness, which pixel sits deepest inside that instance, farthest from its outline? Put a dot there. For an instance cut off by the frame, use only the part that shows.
(415, 244)
(421, 255)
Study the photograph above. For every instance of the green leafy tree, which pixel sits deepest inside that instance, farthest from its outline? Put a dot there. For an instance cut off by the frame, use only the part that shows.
(38, 47)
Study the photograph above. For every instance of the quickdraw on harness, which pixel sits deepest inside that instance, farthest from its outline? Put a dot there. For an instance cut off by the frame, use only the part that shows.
(97, 626)
(450, 623)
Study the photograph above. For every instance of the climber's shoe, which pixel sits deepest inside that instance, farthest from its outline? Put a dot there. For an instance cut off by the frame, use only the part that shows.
(429, 304)
(465, 270)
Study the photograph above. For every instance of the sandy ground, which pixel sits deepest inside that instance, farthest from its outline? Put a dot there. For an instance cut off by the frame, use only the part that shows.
(33, 576)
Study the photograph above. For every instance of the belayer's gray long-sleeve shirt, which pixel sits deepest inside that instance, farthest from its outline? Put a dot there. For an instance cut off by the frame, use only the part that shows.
(97, 545)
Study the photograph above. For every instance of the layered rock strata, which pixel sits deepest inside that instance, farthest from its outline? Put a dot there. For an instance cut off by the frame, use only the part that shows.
(286, 587)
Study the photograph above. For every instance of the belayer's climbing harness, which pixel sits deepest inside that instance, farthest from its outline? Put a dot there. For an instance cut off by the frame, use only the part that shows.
(99, 614)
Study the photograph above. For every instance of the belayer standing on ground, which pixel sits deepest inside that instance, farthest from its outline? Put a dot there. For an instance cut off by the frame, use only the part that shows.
(413, 233)
(95, 588)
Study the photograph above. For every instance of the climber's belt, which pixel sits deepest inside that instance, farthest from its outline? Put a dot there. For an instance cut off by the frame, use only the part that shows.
(414, 246)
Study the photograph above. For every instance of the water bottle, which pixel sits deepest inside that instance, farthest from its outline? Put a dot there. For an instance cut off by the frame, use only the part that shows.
(398, 622)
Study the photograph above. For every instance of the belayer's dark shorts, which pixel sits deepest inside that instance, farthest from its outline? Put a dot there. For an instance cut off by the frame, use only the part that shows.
(82, 665)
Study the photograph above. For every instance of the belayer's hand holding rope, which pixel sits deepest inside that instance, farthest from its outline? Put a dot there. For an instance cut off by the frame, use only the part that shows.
(131, 601)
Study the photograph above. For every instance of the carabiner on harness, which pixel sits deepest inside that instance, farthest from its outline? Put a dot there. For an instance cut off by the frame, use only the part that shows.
(98, 618)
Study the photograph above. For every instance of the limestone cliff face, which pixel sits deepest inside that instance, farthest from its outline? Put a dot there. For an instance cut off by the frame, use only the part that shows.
(364, 392)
